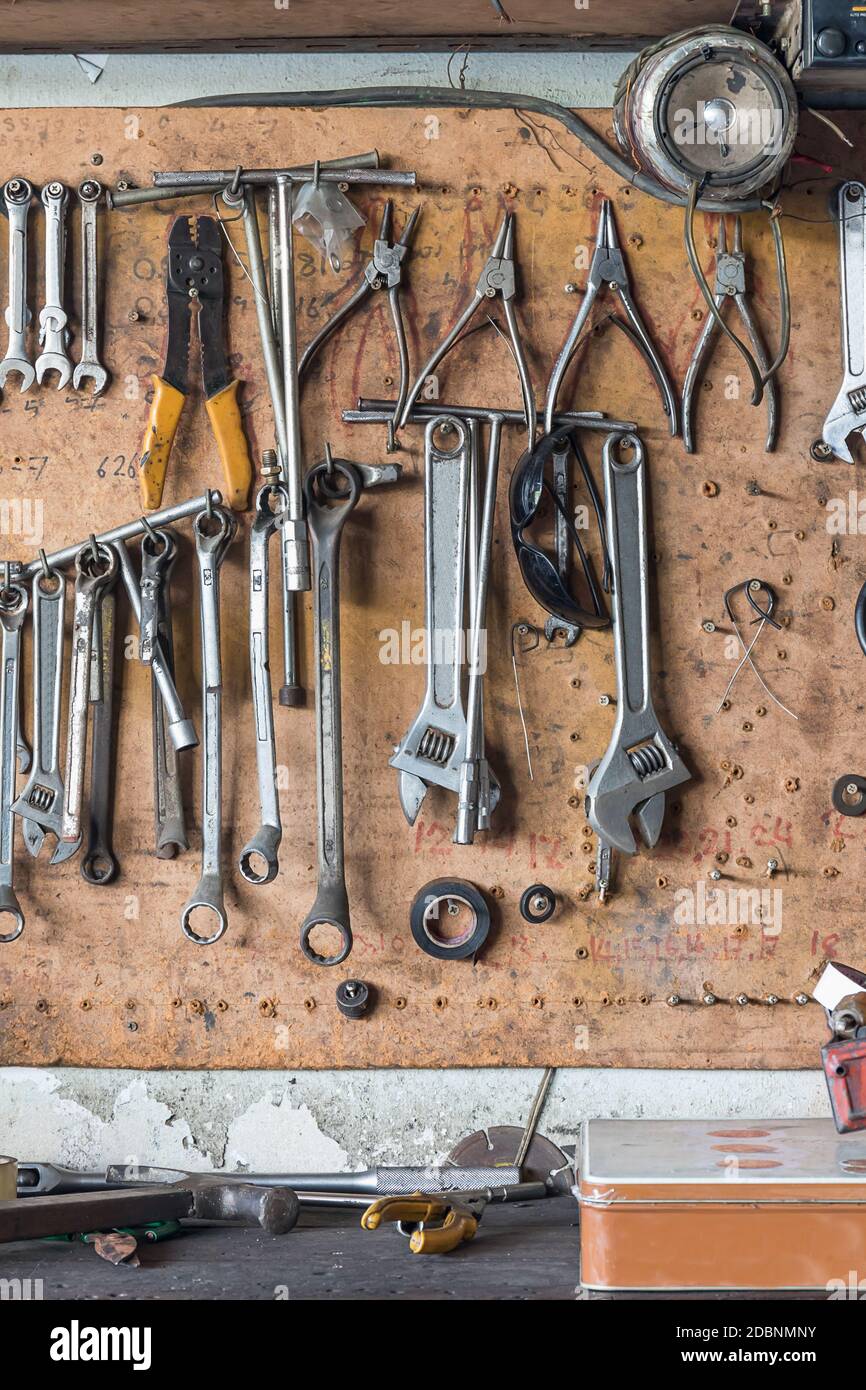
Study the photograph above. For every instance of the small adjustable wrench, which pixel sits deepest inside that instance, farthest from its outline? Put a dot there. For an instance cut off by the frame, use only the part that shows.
(213, 535)
(40, 804)
(14, 602)
(17, 194)
(98, 864)
(327, 514)
(264, 845)
(53, 331)
(848, 412)
(89, 366)
(94, 572)
(641, 764)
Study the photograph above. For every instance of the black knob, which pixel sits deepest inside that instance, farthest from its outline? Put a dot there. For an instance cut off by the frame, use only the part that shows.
(860, 47)
(830, 43)
(353, 998)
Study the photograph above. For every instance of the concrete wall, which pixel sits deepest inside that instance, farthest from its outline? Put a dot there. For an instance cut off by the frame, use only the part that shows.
(332, 1120)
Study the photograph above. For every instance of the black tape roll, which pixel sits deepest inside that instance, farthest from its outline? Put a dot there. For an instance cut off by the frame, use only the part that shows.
(856, 804)
(424, 914)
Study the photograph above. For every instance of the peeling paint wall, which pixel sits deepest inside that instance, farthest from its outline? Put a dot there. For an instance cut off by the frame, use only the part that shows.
(330, 1121)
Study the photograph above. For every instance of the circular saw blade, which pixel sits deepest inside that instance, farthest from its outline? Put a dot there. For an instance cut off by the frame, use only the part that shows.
(499, 1144)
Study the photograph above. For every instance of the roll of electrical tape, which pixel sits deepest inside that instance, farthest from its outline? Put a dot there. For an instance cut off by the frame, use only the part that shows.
(434, 916)
(8, 1178)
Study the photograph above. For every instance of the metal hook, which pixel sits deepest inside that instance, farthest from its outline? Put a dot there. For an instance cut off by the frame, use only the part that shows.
(43, 560)
(234, 186)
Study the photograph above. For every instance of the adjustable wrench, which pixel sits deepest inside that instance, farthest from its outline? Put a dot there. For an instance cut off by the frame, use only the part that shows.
(40, 804)
(99, 865)
(93, 574)
(264, 845)
(848, 412)
(326, 522)
(14, 602)
(435, 747)
(641, 764)
(53, 332)
(89, 194)
(168, 799)
(16, 197)
(180, 728)
(213, 535)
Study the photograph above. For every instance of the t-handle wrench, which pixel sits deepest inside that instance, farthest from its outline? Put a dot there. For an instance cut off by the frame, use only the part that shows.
(14, 602)
(264, 845)
(328, 511)
(95, 570)
(40, 804)
(53, 332)
(17, 194)
(89, 366)
(214, 531)
(180, 728)
(641, 763)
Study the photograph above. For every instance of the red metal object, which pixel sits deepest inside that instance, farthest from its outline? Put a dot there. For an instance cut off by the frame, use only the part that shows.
(844, 1062)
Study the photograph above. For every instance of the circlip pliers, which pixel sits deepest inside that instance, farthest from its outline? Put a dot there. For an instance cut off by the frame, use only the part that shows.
(730, 284)
(384, 270)
(607, 270)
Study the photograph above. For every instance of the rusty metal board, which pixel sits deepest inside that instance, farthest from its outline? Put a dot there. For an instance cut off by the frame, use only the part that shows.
(104, 976)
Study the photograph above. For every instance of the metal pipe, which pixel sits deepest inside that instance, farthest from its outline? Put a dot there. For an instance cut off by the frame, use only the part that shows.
(368, 160)
(223, 178)
(296, 539)
(128, 531)
(370, 411)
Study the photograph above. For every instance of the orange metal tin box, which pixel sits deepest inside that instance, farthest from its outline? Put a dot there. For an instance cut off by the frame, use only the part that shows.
(722, 1204)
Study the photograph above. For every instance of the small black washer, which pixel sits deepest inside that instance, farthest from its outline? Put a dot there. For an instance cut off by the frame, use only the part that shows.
(529, 912)
(856, 804)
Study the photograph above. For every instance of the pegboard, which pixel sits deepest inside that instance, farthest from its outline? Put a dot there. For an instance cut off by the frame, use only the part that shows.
(103, 976)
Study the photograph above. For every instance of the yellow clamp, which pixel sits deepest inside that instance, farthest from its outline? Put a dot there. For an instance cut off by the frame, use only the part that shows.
(455, 1221)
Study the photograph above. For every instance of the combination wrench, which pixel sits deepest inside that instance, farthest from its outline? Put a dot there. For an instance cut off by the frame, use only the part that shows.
(264, 845)
(170, 824)
(17, 194)
(641, 764)
(53, 319)
(328, 510)
(89, 366)
(95, 570)
(40, 804)
(14, 602)
(214, 532)
(98, 864)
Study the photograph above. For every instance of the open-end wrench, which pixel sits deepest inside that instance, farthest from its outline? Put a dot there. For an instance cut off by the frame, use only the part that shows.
(98, 864)
(171, 838)
(641, 764)
(17, 194)
(40, 804)
(180, 728)
(327, 513)
(263, 848)
(214, 531)
(93, 574)
(89, 365)
(14, 602)
(848, 412)
(53, 319)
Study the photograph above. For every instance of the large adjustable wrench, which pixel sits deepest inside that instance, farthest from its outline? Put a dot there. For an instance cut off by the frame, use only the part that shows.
(848, 412)
(14, 603)
(271, 502)
(434, 748)
(89, 366)
(213, 536)
(94, 573)
(53, 331)
(641, 764)
(17, 194)
(40, 804)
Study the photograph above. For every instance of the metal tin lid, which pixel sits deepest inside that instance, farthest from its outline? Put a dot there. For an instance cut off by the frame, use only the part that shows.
(758, 1152)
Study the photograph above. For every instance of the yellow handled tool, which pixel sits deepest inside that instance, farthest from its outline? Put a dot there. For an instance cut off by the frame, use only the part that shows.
(195, 277)
(455, 1221)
